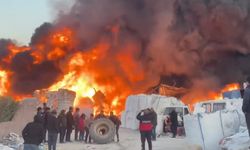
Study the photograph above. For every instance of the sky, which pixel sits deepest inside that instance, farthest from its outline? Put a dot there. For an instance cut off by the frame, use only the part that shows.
(20, 18)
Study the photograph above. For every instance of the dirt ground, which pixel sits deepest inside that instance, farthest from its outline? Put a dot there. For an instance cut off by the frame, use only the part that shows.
(130, 140)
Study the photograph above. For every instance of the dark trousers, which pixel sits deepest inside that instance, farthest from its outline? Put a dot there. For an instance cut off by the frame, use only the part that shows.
(146, 135)
(174, 130)
(117, 132)
(87, 136)
(247, 115)
(62, 134)
(68, 134)
(81, 137)
(76, 134)
(52, 139)
(154, 133)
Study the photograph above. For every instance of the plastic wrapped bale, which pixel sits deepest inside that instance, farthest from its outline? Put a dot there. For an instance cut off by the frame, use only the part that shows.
(123, 119)
(143, 102)
(159, 127)
(210, 128)
(193, 129)
(230, 122)
(132, 103)
(131, 121)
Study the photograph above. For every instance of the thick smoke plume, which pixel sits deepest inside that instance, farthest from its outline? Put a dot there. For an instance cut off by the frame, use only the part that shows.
(137, 41)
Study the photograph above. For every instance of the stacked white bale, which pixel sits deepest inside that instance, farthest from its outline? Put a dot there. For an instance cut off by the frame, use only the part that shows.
(65, 99)
(207, 130)
(135, 103)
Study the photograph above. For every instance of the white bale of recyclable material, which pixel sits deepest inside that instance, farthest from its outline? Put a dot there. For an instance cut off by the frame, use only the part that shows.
(131, 103)
(212, 130)
(193, 129)
(3, 147)
(159, 127)
(123, 119)
(131, 121)
(143, 102)
(208, 129)
(230, 122)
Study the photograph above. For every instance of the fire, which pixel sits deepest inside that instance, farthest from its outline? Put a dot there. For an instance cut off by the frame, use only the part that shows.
(3, 82)
(212, 95)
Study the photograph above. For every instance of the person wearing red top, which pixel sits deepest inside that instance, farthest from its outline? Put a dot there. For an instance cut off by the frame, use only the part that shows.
(81, 126)
(145, 117)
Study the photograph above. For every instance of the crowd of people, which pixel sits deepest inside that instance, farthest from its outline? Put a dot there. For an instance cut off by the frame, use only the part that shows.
(47, 125)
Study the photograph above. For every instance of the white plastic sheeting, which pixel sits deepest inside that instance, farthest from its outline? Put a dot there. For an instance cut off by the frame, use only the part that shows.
(3, 147)
(207, 130)
(135, 103)
(239, 141)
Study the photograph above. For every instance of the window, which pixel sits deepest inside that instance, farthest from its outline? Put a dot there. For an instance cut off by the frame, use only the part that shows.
(207, 107)
(218, 106)
(186, 111)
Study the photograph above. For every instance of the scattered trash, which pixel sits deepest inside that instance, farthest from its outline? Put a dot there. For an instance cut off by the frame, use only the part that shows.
(13, 140)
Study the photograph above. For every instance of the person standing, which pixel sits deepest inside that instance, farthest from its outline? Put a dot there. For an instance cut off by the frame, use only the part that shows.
(76, 122)
(246, 103)
(101, 115)
(62, 122)
(70, 123)
(154, 122)
(52, 127)
(117, 123)
(81, 127)
(33, 134)
(40, 114)
(46, 114)
(145, 117)
(89, 122)
(174, 122)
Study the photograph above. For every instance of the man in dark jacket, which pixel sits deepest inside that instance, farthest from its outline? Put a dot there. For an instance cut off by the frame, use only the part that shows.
(101, 115)
(246, 103)
(145, 117)
(76, 122)
(62, 121)
(174, 122)
(70, 123)
(117, 123)
(40, 115)
(154, 122)
(52, 127)
(33, 134)
(46, 113)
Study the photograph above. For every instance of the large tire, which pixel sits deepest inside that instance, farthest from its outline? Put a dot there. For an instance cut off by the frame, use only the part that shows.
(102, 131)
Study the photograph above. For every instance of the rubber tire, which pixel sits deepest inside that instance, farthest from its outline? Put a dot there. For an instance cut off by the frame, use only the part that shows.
(102, 124)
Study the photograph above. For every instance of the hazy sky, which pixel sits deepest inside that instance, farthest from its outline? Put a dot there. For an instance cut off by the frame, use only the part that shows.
(19, 18)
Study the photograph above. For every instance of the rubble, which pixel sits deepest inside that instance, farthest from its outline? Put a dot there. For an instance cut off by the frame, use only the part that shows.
(12, 140)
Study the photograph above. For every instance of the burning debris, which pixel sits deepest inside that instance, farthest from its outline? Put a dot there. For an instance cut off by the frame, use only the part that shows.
(126, 49)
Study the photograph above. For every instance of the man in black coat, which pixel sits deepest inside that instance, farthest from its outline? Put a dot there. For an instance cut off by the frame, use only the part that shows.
(246, 103)
(70, 123)
(62, 121)
(174, 122)
(117, 123)
(53, 129)
(33, 134)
